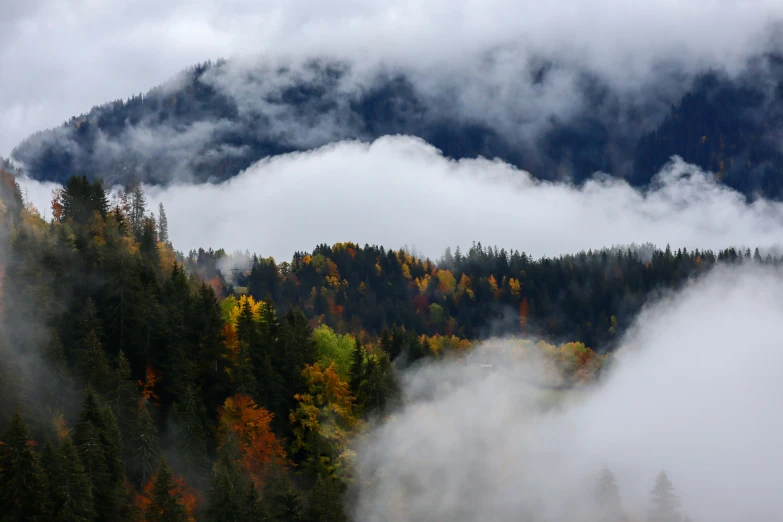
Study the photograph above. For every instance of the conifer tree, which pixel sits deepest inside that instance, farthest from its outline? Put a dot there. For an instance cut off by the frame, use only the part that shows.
(22, 482)
(189, 431)
(145, 449)
(99, 442)
(165, 503)
(254, 508)
(326, 503)
(70, 495)
(607, 497)
(93, 364)
(665, 504)
(357, 373)
(225, 495)
(163, 225)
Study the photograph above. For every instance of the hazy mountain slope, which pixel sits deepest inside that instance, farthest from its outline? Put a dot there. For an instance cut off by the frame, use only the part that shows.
(214, 120)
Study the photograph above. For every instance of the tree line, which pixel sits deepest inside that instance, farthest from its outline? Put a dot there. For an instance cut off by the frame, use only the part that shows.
(138, 383)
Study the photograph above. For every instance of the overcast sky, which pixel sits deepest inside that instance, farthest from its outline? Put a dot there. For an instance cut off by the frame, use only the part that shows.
(59, 58)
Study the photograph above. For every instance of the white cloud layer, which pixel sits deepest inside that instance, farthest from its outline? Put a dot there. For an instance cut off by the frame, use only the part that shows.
(401, 191)
(61, 58)
(694, 391)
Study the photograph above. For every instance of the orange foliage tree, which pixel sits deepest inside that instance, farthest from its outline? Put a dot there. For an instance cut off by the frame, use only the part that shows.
(244, 423)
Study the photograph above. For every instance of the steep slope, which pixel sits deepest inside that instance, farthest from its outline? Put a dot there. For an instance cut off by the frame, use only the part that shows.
(215, 119)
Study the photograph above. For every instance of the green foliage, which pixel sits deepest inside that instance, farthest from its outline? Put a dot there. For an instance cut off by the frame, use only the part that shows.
(22, 482)
(99, 442)
(165, 503)
(333, 348)
(226, 493)
(70, 494)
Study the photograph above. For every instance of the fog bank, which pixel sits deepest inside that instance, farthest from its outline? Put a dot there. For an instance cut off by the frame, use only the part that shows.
(694, 391)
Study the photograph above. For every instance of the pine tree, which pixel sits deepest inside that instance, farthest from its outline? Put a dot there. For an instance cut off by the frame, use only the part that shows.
(287, 505)
(357, 372)
(254, 508)
(70, 495)
(166, 503)
(93, 364)
(145, 449)
(99, 442)
(163, 225)
(189, 431)
(123, 395)
(607, 497)
(665, 504)
(225, 495)
(138, 206)
(22, 482)
(59, 386)
(326, 503)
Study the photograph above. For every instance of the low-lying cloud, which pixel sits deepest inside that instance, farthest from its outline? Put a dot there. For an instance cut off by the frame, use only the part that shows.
(694, 391)
(401, 191)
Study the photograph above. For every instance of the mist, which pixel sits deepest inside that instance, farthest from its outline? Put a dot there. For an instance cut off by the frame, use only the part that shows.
(693, 391)
(401, 191)
(647, 49)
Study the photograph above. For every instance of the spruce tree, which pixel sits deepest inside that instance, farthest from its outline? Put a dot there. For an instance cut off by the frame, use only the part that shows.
(163, 225)
(93, 364)
(70, 494)
(665, 504)
(254, 508)
(225, 494)
(357, 372)
(165, 503)
(99, 442)
(190, 433)
(22, 482)
(607, 498)
(145, 449)
(326, 504)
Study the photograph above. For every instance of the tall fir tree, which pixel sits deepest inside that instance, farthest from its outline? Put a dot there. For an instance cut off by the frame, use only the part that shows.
(607, 498)
(664, 502)
(165, 502)
(22, 482)
(70, 494)
(163, 225)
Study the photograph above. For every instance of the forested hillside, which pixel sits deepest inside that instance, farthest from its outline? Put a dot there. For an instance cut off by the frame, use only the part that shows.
(137, 383)
(211, 121)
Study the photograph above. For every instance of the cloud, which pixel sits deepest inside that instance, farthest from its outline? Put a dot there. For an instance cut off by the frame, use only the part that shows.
(694, 391)
(401, 191)
(68, 56)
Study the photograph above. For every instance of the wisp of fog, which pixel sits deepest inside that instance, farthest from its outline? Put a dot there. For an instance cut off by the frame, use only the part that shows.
(694, 391)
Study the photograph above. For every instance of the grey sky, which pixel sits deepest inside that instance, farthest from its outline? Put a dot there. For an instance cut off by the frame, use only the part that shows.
(60, 58)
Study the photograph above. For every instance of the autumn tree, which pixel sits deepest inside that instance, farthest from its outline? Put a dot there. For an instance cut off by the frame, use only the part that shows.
(242, 422)
(322, 419)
